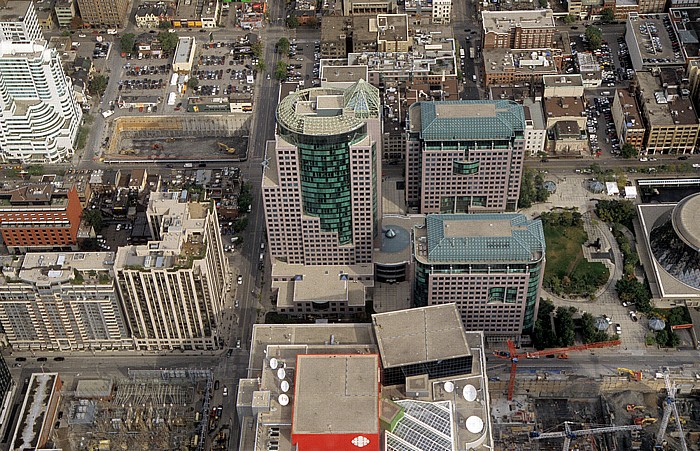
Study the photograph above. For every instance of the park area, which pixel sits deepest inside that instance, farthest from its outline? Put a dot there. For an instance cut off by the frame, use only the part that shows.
(567, 271)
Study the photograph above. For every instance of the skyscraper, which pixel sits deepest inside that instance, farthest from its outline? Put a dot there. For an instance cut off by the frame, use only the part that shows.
(464, 156)
(321, 186)
(19, 23)
(39, 115)
(490, 265)
(173, 288)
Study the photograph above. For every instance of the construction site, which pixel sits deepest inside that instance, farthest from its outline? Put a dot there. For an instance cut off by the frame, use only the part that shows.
(168, 138)
(148, 410)
(555, 409)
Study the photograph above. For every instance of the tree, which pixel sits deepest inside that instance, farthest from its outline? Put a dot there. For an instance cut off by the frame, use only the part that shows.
(261, 66)
(292, 21)
(543, 3)
(35, 169)
(192, 83)
(629, 151)
(594, 36)
(607, 15)
(93, 218)
(165, 25)
(168, 41)
(76, 23)
(282, 46)
(245, 198)
(629, 289)
(281, 70)
(617, 211)
(543, 336)
(527, 189)
(569, 19)
(127, 42)
(257, 49)
(98, 84)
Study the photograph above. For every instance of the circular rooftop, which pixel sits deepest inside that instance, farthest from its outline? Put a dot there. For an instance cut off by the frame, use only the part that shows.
(395, 239)
(675, 241)
(686, 220)
(329, 111)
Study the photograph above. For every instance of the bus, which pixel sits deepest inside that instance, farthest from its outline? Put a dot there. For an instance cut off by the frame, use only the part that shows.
(471, 52)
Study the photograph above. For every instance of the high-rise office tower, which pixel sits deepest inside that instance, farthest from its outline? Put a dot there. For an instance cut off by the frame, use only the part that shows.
(464, 156)
(173, 287)
(321, 186)
(104, 13)
(39, 115)
(490, 265)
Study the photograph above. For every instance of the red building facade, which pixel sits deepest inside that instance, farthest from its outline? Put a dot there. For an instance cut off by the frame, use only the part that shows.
(39, 216)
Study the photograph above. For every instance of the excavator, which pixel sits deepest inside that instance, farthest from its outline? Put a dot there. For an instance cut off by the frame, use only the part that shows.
(228, 149)
(645, 421)
(632, 407)
(634, 375)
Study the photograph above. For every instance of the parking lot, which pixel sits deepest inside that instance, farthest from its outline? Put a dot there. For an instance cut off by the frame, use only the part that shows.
(224, 69)
(601, 128)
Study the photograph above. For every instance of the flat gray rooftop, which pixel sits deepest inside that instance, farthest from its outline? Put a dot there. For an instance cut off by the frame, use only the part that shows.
(336, 394)
(419, 335)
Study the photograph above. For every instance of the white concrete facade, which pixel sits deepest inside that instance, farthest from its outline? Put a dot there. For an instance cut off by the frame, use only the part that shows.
(62, 301)
(39, 113)
(173, 288)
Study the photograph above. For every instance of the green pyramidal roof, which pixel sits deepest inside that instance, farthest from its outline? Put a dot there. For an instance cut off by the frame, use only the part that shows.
(329, 111)
(483, 238)
(467, 120)
(363, 99)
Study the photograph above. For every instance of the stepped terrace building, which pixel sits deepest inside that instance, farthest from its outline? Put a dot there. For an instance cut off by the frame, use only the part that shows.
(173, 287)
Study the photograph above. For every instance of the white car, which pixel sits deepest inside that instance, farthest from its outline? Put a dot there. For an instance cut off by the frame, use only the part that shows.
(225, 391)
(240, 280)
(696, 165)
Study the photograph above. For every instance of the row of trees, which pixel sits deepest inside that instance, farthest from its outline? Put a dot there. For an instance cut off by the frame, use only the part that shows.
(565, 218)
(556, 328)
(616, 211)
(532, 189)
(168, 41)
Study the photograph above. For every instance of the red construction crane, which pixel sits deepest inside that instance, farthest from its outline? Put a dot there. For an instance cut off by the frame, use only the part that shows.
(513, 356)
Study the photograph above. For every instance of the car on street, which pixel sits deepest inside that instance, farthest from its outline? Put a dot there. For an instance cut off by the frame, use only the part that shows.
(238, 343)
(236, 304)
(240, 280)
(59, 359)
(216, 384)
(618, 329)
(225, 391)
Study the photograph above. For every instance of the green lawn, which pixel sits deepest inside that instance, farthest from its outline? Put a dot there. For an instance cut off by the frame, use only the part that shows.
(567, 271)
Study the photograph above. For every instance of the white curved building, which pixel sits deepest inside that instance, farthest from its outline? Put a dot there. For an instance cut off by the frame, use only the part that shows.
(39, 115)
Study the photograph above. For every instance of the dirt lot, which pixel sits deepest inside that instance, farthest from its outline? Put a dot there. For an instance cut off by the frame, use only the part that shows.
(199, 149)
